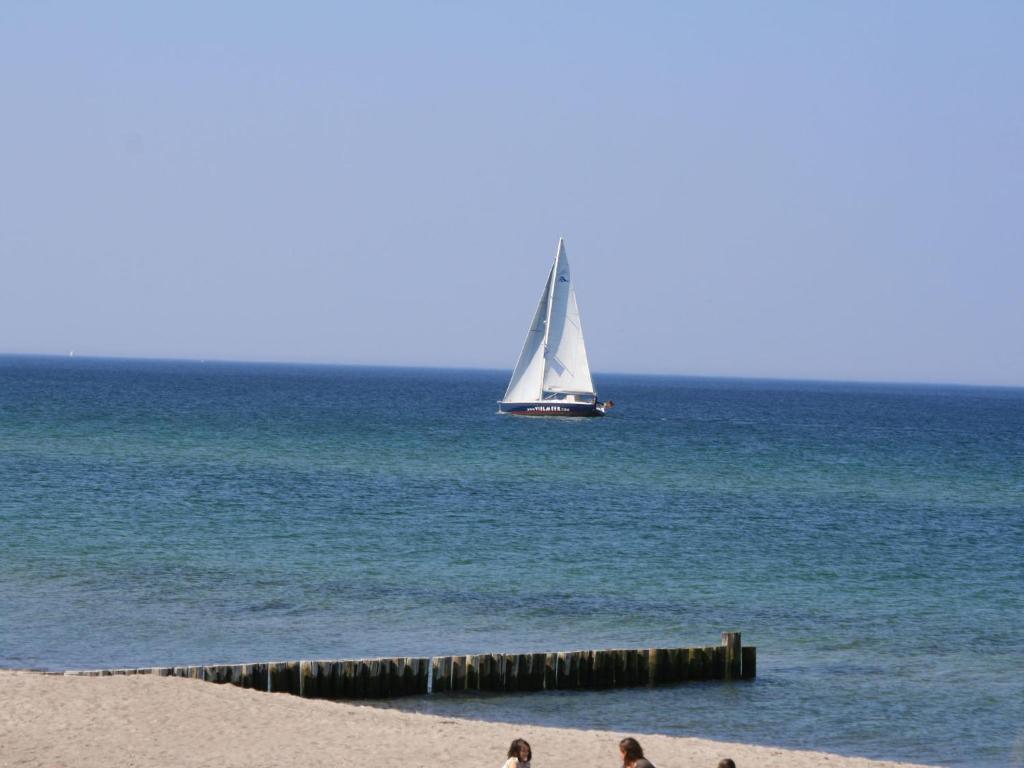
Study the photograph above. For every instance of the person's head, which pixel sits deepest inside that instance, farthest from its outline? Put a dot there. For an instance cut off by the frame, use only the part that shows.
(726, 763)
(520, 750)
(631, 750)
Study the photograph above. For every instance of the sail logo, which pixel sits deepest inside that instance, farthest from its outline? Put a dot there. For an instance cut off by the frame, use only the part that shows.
(563, 279)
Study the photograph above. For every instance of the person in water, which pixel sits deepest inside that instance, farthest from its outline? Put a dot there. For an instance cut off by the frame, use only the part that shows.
(519, 754)
(633, 754)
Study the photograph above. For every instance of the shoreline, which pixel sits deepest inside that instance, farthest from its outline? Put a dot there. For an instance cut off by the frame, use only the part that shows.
(142, 720)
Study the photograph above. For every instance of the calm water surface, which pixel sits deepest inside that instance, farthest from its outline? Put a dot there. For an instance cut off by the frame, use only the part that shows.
(868, 539)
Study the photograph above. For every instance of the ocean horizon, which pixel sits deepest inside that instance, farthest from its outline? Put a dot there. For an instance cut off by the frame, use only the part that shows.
(506, 371)
(865, 536)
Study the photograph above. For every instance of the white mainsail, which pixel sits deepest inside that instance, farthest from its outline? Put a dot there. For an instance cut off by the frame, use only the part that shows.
(554, 357)
(528, 377)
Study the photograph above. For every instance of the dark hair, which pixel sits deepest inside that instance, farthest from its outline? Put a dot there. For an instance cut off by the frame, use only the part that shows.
(517, 745)
(631, 750)
(726, 763)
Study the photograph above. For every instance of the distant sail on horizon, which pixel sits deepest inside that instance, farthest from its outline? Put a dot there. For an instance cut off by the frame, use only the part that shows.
(552, 376)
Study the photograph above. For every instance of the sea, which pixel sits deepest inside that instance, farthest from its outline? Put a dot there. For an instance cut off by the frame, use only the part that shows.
(867, 538)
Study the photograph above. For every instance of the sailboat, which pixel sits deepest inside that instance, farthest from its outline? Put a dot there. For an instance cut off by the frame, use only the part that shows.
(552, 377)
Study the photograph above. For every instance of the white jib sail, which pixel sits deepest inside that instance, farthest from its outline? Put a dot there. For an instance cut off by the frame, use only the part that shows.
(566, 366)
(554, 358)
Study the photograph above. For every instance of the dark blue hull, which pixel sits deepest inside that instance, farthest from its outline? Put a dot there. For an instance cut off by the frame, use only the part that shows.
(552, 408)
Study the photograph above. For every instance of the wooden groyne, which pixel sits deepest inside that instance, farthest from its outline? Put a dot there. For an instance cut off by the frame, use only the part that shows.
(493, 672)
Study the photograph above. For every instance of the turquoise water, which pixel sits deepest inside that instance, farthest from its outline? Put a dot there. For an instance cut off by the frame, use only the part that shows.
(866, 538)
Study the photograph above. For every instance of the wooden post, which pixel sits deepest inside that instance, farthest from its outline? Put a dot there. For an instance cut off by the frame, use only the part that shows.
(400, 686)
(458, 673)
(373, 679)
(492, 666)
(361, 686)
(522, 672)
(370, 672)
(608, 669)
(383, 667)
(383, 687)
(717, 654)
(638, 668)
(636, 674)
(675, 662)
(505, 662)
(440, 673)
(497, 676)
(324, 671)
(349, 678)
(620, 668)
(394, 680)
(706, 667)
(307, 683)
(411, 677)
(260, 676)
(659, 666)
(360, 673)
(329, 679)
(487, 672)
(587, 672)
(241, 676)
(601, 672)
(446, 669)
(683, 662)
(733, 659)
(343, 687)
(292, 671)
(408, 674)
(396, 676)
(524, 662)
(566, 670)
(749, 664)
(422, 675)
(369, 678)
(217, 673)
(516, 672)
(499, 671)
(473, 673)
(347, 683)
(283, 677)
(509, 672)
(694, 664)
(384, 674)
(537, 662)
(551, 671)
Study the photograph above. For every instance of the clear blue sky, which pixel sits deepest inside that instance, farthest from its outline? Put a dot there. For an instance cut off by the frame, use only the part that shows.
(825, 190)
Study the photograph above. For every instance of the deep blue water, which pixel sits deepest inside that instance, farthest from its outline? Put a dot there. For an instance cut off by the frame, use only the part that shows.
(867, 538)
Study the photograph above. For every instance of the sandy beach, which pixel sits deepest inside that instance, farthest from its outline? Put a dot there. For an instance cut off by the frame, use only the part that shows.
(53, 720)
